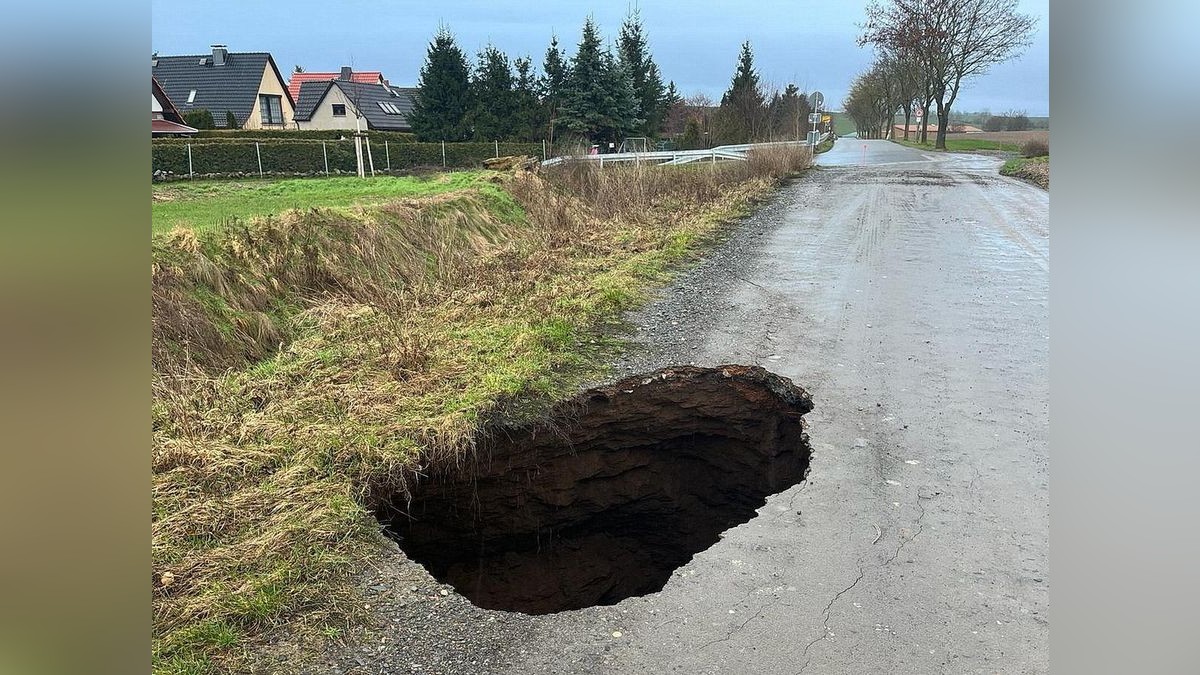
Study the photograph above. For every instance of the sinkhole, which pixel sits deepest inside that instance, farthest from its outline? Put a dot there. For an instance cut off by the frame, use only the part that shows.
(610, 493)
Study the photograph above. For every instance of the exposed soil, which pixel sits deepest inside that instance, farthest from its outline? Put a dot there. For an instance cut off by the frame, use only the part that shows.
(614, 491)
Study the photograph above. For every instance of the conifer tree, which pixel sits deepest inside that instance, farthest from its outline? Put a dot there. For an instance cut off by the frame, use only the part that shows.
(742, 114)
(528, 113)
(443, 92)
(599, 103)
(553, 85)
(634, 50)
(493, 103)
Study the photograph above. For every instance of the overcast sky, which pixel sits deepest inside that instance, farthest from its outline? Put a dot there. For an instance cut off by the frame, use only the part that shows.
(694, 43)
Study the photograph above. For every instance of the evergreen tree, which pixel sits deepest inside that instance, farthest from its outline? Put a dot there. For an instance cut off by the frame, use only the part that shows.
(743, 107)
(634, 52)
(443, 92)
(624, 118)
(587, 98)
(493, 102)
(599, 103)
(528, 116)
(553, 85)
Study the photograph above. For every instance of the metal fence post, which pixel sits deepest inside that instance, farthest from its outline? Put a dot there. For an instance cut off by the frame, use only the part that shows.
(190, 172)
(443, 154)
(497, 147)
(258, 152)
(543, 149)
(325, 154)
(387, 155)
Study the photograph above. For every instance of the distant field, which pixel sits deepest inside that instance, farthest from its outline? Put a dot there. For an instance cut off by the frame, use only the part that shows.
(1003, 141)
(206, 204)
(842, 124)
(1017, 137)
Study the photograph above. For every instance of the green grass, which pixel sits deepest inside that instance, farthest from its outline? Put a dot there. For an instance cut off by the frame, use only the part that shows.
(964, 145)
(207, 204)
(842, 124)
(1016, 164)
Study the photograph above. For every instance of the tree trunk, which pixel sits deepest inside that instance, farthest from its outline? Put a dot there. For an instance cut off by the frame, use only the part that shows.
(943, 113)
(907, 117)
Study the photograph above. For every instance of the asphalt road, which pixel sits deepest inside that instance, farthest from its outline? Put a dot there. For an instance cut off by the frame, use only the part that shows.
(910, 297)
(908, 292)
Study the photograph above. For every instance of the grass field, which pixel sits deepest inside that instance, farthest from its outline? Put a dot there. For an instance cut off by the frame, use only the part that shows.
(842, 124)
(1000, 141)
(965, 145)
(201, 205)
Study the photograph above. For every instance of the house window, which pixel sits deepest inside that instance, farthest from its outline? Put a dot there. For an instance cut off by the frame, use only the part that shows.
(339, 109)
(192, 96)
(271, 109)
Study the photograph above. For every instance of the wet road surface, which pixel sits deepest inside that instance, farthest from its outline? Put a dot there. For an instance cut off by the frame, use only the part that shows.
(908, 292)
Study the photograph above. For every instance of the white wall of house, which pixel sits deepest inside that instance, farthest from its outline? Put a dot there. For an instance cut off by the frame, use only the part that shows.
(271, 85)
(323, 117)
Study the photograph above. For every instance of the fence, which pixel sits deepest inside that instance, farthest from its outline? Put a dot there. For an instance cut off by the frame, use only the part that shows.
(174, 158)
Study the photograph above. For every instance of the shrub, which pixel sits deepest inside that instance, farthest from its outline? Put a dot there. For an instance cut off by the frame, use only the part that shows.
(230, 120)
(305, 156)
(199, 119)
(1035, 147)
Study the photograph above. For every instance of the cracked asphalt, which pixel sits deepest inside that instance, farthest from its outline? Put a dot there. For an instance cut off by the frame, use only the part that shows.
(908, 292)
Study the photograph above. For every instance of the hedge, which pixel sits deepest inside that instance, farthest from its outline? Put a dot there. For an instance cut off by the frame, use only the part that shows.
(305, 156)
(299, 134)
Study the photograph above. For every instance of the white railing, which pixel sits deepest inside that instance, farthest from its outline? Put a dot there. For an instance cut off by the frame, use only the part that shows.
(723, 152)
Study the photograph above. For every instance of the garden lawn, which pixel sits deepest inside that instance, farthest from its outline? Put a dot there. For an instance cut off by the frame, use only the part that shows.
(205, 204)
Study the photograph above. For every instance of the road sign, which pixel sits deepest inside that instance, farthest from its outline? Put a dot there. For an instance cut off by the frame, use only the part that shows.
(814, 118)
(814, 137)
(826, 118)
(816, 100)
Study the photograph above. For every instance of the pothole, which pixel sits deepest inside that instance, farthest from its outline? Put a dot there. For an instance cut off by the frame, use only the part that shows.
(610, 494)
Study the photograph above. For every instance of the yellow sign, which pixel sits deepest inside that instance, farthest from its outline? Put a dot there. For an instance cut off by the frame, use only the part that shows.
(827, 118)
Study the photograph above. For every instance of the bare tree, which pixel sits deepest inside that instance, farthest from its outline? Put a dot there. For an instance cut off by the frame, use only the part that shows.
(953, 40)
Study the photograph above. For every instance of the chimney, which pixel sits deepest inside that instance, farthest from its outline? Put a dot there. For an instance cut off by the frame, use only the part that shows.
(220, 53)
(345, 74)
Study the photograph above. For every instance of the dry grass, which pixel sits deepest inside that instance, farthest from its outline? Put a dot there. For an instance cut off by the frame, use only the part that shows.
(308, 367)
(1033, 169)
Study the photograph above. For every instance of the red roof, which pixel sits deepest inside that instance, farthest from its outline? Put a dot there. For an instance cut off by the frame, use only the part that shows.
(365, 76)
(169, 127)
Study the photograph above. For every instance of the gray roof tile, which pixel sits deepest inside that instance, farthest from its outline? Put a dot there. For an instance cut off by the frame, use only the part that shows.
(232, 86)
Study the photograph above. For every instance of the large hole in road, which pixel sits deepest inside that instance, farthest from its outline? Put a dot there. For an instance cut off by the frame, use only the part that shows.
(610, 493)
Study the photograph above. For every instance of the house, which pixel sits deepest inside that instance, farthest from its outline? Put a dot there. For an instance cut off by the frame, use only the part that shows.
(343, 103)
(364, 76)
(246, 85)
(165, 119)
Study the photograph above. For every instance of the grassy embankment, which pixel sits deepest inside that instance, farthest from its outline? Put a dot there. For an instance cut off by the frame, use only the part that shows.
(1033, 169)
(310, 364)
